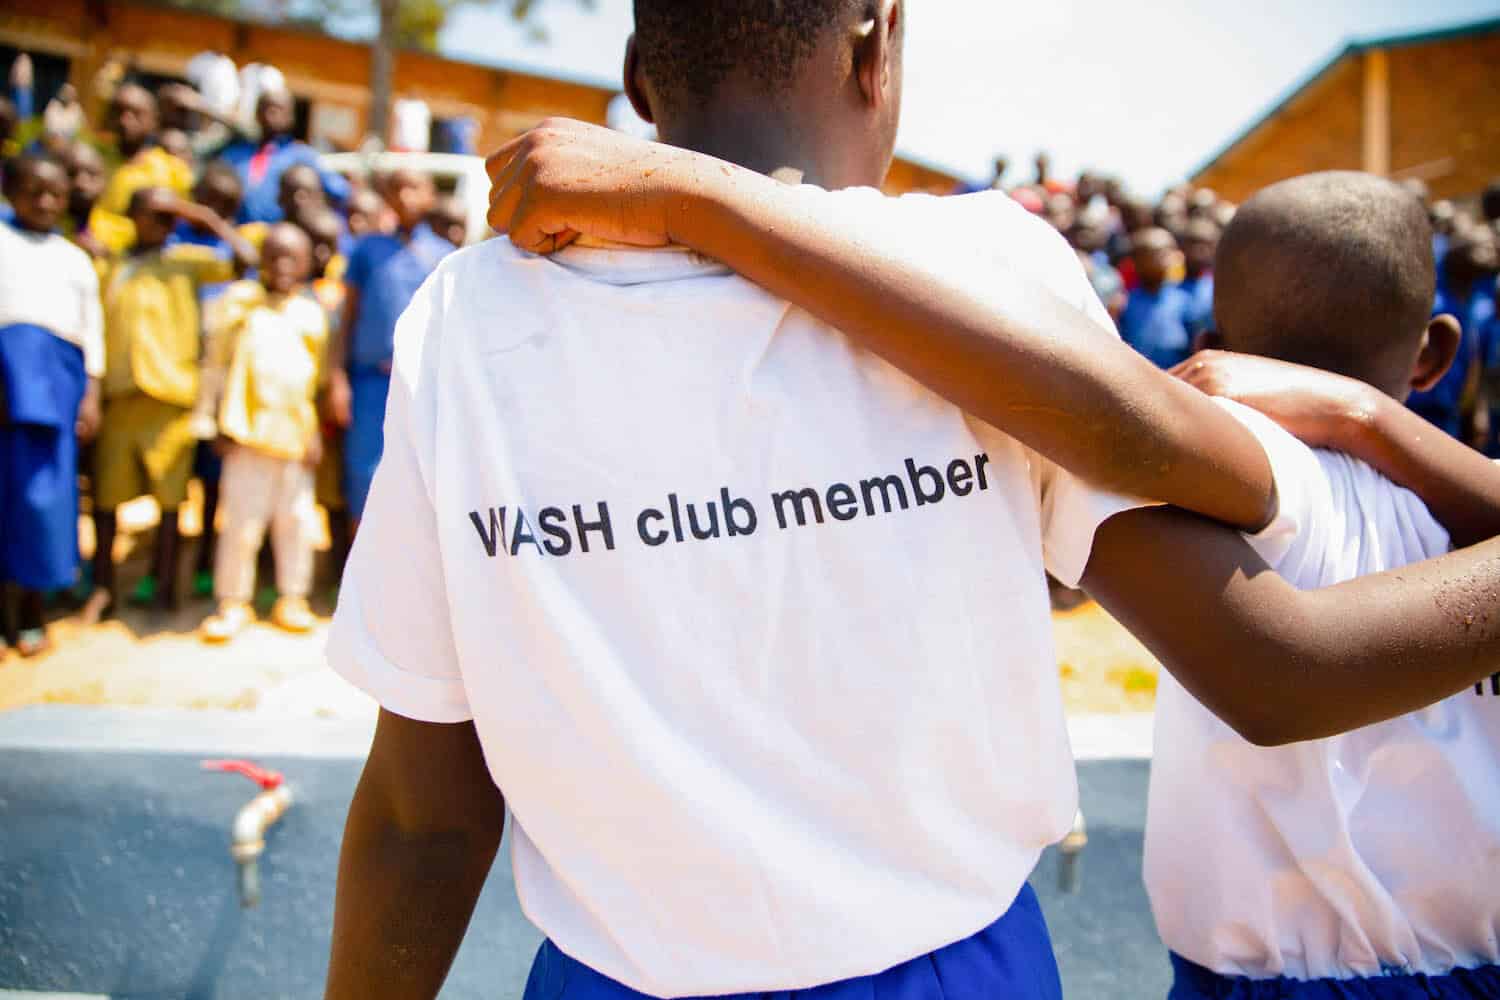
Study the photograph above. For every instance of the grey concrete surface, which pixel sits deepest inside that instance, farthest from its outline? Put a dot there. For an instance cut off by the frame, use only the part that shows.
(115, 880)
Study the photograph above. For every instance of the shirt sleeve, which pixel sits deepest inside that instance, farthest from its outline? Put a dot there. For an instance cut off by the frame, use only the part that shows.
(1072, 511)
(92, 332)
(1303, 503)
(359, 263)
(392, 635)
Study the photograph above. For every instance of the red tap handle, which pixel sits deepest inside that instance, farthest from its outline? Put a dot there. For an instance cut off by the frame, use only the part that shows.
(266, 779)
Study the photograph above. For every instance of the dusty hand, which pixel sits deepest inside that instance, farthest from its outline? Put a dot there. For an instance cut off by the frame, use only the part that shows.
(313, 456)
(182, 95)
(90, 244)
(338, 400)
(564, 179)
(1318, 407)
(89, 414)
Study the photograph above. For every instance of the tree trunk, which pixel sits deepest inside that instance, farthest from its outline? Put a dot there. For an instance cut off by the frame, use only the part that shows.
(382, 71)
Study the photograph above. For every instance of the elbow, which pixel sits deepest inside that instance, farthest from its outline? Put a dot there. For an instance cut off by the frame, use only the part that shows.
(1265, 734)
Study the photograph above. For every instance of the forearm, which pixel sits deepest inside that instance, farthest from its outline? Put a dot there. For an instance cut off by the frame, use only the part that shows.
(1458, 484)
(337, 358)
(405, 896)
(1020, 359)
(1281, 665)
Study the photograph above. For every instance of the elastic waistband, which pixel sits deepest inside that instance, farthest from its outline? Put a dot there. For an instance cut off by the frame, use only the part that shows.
(1011, 958)
(1194, 982)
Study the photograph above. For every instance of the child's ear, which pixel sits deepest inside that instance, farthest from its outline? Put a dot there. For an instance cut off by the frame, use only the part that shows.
(1440, 346)
(635, 82)
(873, 48)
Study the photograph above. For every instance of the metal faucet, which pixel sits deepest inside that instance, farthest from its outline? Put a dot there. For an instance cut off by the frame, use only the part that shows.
(1070, 855)
(248, 834)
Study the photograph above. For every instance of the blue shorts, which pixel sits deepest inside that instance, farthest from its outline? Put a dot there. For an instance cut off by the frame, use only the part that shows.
(365, 439)
(1009, 960)
(207, 465)
(38, 506)
(1193, 982)
(42, 381)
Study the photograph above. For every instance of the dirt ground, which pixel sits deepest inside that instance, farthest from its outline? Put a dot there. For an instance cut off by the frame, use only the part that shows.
(146, 659)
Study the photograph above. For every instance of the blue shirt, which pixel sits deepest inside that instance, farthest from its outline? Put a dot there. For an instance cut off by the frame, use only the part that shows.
(1201, 289)
(1160, 324)
(385, 272)
(260, 204)
(1442, 404)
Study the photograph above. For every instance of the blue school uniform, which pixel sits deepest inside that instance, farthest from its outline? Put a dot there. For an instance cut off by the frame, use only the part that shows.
(385, 271)
(1442, 404)
(1193, 982)
(1010, 958)
(1201, 291)
(43, 380)
(1160, 325)
(262, 195)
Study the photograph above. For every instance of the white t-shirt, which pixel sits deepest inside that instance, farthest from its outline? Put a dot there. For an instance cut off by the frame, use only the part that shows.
(48, 282)
(822, 740)
(1373, 851)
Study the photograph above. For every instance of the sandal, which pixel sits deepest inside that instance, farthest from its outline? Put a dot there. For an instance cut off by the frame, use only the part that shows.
(32, 642)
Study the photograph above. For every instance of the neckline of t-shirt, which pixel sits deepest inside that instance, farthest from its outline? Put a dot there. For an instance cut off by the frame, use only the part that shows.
(621, 264)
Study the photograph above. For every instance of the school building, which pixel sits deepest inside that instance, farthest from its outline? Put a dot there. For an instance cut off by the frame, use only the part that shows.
(73, 40)
(1418, 106)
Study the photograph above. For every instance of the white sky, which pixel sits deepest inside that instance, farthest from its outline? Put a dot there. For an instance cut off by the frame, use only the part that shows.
(1147, 90)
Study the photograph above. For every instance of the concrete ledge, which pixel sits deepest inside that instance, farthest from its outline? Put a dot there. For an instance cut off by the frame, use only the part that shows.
(162, 730)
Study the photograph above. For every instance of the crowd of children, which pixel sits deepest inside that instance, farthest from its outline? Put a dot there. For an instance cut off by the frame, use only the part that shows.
(1152, 264)
(182, 297)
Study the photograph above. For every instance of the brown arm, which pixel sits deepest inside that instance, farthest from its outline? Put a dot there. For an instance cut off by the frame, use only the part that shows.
(1281, 665)
(421, 836)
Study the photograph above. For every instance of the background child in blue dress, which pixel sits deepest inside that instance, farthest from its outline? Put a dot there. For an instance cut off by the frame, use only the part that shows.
(51, 360)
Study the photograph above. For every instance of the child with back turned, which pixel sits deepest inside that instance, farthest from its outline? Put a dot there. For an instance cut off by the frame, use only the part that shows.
(266, 345)
(51, 358)
(1278, 664)
(1364, 864)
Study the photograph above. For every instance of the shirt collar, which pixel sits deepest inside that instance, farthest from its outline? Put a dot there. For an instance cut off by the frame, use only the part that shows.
(617, 264)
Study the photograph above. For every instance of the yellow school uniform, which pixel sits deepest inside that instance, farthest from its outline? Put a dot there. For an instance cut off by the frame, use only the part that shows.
(270, 350)
(153, 167)
(151, 347)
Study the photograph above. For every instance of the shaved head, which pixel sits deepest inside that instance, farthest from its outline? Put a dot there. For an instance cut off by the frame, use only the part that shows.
(1333, 270)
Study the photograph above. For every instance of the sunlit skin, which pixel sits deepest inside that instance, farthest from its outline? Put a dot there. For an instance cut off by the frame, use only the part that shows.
(285, 259)
(449, 221)
(411, 195)
(322, 228)
(365, 208)
(132, 118)
(86, 179)
(38, 195)
(275, 113)
(300, 192)
(219, 192)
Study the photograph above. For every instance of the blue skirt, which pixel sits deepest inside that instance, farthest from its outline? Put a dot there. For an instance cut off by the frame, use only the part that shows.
(1009, 960)
(1193, 982)
(365, 440)
(43, 381)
